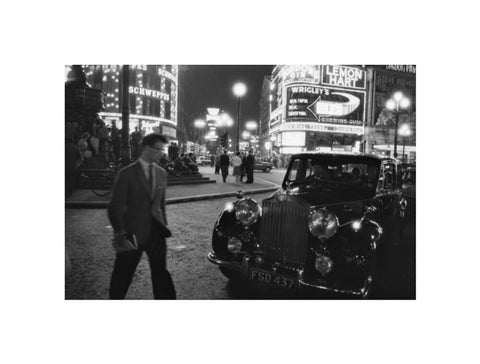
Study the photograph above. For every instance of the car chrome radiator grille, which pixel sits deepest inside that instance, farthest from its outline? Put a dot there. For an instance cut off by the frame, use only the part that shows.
(284, 231)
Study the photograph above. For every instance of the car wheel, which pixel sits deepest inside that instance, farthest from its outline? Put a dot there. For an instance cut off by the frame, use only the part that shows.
(230, 274)
(267, 170)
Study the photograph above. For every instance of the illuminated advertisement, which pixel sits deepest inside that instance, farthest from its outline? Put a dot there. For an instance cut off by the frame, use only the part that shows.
(152, 92)
(149, 93)
(343, 76)
(325, 105)
(293, 139)
(301, 73)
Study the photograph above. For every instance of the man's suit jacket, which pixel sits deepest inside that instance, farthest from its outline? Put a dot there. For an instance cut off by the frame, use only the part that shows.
(250, 162)
(133, 204)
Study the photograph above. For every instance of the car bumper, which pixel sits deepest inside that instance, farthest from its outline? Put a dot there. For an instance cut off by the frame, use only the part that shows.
(296, 274)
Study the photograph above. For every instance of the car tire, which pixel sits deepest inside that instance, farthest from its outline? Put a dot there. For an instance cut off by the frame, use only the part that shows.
(267, 170)
(230, 274)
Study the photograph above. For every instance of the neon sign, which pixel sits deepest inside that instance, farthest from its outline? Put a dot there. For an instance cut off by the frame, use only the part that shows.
(330, 108)
(330, 128)
(141, 67)
(342, 76)
(166, 74)
(325, 105)
(301, 73)
(149, 93)
(402, 68)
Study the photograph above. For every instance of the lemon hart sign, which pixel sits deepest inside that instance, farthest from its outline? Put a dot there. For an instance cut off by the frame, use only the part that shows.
(344, 76)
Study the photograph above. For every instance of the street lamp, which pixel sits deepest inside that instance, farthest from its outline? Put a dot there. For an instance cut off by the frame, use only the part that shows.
(239, 89)
(397, 102)
(404, 131)
(199, 124)
(251, 125)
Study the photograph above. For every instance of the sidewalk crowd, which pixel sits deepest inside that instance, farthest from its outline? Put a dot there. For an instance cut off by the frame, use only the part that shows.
(83, 149)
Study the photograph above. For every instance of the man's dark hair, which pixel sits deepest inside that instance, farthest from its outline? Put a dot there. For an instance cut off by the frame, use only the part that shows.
(151, 139)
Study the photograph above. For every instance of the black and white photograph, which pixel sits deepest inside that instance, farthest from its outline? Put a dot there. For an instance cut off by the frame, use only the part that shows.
(213, 181)
(240, 181)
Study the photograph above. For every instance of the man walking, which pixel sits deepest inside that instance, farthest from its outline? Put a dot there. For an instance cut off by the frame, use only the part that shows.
(250, 162)
(224, 163)
(137, 214)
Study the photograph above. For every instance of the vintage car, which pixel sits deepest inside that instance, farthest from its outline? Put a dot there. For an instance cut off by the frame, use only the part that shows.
(408, 189)
(264, 166)
(322, 231)
(203, 161)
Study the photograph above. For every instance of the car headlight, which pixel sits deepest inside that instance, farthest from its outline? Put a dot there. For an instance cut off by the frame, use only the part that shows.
(247, 211)
(322, 223)
(323, 264)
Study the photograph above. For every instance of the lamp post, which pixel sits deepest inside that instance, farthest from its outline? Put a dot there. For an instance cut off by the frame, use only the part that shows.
(125, 150)
(239, 89)
(397, 102)
(199, 124)
(404, 131)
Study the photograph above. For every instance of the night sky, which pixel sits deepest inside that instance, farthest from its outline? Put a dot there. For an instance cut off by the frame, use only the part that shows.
(211, 86)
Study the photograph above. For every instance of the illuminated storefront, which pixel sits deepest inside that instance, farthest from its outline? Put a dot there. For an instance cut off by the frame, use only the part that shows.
(316, 107)
(153, 96)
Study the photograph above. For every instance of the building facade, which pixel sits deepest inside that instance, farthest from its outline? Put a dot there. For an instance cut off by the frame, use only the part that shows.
(316, 107)
(153, 96)
(337, 107)
(380, 135)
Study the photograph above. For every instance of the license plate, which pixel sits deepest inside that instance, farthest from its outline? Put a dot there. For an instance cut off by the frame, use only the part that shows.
(270, 278)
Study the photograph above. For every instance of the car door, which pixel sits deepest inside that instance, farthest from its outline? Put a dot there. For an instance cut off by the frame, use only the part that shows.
(386, 199)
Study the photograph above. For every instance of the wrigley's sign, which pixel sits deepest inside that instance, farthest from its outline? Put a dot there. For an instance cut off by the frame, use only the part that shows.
(343, 76)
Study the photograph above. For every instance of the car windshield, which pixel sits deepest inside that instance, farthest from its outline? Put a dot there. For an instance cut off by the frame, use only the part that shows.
(334, 173)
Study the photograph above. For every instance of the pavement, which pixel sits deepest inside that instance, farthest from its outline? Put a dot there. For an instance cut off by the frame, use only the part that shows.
(184, 193)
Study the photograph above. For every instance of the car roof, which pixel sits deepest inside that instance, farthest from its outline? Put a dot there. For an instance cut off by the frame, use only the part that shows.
(368, 156)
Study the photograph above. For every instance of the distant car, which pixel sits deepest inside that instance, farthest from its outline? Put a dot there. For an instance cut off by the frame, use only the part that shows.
(203, 161)
(263, 166)
(325, 229)
(408, 188)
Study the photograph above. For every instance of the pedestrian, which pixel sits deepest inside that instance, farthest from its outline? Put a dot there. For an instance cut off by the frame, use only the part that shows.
(109, 155)
(82, 146)
(72, 161)
(102, 135)
(136, 137)
(217, 164)
(224, 163)
(179, 166)
(237, 166)
(116, 143)
(243, 166)
(95, 144)
(250, 163)
(137, 214)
